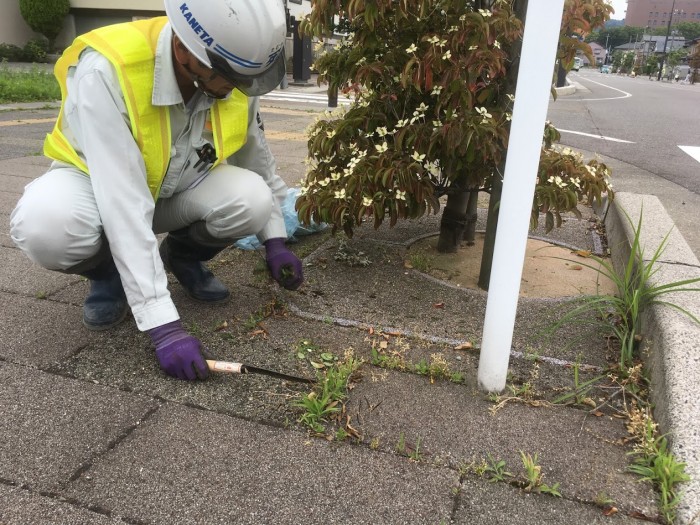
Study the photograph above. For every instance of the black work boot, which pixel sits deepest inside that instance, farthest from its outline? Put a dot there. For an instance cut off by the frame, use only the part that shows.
(105, 306)
(183, 257)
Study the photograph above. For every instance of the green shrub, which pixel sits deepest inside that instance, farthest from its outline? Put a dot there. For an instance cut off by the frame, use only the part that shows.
(11, 53)
(45, 16)
(36, 50)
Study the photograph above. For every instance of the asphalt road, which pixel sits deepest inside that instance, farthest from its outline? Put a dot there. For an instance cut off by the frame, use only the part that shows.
(646, 123)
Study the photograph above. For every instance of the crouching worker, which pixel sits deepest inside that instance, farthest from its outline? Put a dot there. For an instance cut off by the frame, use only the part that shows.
(159, 131)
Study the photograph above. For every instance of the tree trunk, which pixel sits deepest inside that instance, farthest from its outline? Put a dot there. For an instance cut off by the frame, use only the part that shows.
(453, 222)
(472, 216)
(561, 75)
(520, 9)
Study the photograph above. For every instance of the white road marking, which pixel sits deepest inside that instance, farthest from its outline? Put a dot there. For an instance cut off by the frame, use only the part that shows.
(601, 137)
(311, 98)
(624, 93)
(693, 151)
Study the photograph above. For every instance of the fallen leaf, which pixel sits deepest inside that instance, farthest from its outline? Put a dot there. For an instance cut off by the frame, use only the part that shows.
(221, 326)
(383, 345)
(317, 365)
(576, 267)
(371, 330)
(395, 334)
(438, 305)
(588, 401)
(609, 511)
(464, 346)
(350, 430)
(598, 413)
(407, 264)
(582, 253)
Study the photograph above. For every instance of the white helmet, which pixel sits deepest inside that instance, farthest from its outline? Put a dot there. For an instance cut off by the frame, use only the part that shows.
(241, 40)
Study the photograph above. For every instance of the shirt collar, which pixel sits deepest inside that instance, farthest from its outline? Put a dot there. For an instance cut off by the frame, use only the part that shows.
(166, 91)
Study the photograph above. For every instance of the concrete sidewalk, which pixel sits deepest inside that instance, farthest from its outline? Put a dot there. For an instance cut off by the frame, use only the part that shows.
(91, 431)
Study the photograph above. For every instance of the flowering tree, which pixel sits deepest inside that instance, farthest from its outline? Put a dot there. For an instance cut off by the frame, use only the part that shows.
(431, 114)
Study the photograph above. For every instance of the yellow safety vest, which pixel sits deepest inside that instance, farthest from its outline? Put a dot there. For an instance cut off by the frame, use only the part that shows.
(131, 47)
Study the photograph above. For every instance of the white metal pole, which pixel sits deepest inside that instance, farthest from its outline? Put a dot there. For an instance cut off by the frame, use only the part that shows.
(538, 54)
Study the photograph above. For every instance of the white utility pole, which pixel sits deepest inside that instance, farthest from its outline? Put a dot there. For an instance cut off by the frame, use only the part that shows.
(542, 24)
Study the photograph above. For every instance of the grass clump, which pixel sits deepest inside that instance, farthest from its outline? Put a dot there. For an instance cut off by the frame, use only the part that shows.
(30, 85)
(325, 400)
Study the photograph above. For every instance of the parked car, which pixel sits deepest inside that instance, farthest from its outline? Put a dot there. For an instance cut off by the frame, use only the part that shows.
(578, 62)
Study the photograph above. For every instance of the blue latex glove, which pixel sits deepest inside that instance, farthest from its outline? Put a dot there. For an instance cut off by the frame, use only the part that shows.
(279, 257)
(178, 353)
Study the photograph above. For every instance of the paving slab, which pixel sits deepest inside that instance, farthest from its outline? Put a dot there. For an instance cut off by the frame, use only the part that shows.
(39, 332)
(50, 426)
(194, 466)
(8, 200)
(29, 279)
(385, 294)
(499, 504)
(20, 506)
(24, 167)
(449, 422)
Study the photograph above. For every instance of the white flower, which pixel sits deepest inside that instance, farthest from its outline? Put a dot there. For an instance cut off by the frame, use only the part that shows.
(335, 176)
(339, 194)
(381, 148)
(412, 48)
(401, 123)
(509, 117)
(433, 168)
(472, 48)
(330, 134)
(436, 90)
(484, 114)
(433, 39)
(422, 108)
(324, 182)
(367, 201)
(437, 123)
(382, 131)
(452, 29)
(447, 55)
(485, 13)
(417, 156)
(497, 44)
(400, 195)
(511, 97)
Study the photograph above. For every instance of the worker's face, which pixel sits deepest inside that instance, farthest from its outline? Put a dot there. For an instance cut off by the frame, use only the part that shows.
(204, 78)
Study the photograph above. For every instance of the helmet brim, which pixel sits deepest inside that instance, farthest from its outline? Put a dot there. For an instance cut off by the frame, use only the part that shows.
(250, 85)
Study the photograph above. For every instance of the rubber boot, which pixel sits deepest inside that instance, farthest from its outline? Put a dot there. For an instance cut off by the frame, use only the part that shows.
(106, 305)
(183, 257)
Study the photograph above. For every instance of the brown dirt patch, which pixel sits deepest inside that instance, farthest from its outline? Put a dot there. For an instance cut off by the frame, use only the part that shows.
(549, 270)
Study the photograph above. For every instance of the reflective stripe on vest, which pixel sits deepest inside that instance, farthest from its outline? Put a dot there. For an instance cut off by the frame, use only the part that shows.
(130, 47)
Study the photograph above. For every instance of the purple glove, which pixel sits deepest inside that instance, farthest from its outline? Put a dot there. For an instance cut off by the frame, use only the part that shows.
(178, 353)
(283, 264)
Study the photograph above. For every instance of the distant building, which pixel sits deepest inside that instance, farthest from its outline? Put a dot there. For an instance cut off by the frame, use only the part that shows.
(657, 13)
(599, 55)
(654, 44)
(86, 15)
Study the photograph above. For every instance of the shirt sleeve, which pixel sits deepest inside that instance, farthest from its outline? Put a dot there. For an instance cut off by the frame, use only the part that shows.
(256, 156)
(99, 124)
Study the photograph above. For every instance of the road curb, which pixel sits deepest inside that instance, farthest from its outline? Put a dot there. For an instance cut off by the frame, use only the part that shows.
(671, 340)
